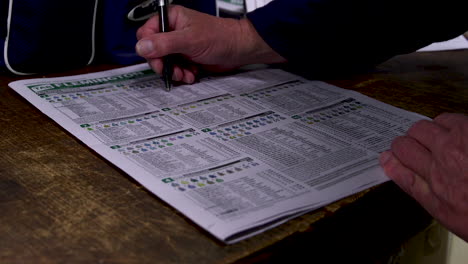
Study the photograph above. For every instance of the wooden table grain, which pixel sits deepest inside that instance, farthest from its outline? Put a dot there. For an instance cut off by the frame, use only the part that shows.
(60, 202)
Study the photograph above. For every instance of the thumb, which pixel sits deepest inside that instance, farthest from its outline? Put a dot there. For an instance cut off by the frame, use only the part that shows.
(162, 44)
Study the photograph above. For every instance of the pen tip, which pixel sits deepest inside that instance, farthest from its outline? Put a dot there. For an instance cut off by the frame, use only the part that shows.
(168, 84)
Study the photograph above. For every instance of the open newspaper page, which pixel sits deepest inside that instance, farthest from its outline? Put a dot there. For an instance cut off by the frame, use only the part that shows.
(237, 154)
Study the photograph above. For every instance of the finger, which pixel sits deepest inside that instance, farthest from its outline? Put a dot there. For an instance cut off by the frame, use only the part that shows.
(412, 155)
(151, 25)
(410, 182)
(163, 44)
(189, 76)
(427, 133)
(176, 12)
(156, 65)
(395, 170)
(449, 120)
(183, 75)
(194, 69)
(186, 64)
(177, 74)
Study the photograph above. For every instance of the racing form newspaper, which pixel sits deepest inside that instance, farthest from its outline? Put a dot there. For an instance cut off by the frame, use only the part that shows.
(236, 154)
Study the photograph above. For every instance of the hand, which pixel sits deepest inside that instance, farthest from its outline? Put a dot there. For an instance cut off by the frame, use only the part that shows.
(430, 163)
(202, 40)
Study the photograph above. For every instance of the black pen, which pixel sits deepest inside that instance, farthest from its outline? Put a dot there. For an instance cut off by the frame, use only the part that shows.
(164, 27)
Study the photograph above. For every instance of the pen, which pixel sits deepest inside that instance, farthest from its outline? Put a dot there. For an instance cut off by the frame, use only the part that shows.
(164, 27)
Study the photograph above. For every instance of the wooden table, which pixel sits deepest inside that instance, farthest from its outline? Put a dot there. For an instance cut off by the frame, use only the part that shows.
(62, 203)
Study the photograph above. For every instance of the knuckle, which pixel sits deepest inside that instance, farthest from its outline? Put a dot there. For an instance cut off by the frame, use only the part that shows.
(451, 119)
(139, 33)
(176, 8)
(443, 116)
(419, 126)
(143, 33)
(399, 146)
(428, 132)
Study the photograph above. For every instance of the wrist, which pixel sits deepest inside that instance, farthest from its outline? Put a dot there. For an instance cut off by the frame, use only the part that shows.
(253, 49)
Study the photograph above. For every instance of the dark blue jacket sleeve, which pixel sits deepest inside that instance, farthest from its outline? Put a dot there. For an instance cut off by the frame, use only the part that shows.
(321, 38)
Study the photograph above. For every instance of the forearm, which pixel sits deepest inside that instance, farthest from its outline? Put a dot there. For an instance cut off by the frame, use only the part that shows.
(322, 37)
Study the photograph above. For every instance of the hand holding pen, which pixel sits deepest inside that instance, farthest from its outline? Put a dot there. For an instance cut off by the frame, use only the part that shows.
(202, 42)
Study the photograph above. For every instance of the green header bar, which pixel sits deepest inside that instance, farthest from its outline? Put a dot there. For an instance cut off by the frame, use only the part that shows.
(89, 82)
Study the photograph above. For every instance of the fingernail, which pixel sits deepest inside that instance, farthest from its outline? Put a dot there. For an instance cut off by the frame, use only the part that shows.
(188, 78)
(144, 47)
(384, 157)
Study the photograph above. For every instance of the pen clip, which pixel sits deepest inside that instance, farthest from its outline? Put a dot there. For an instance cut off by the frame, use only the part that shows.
(144, 10)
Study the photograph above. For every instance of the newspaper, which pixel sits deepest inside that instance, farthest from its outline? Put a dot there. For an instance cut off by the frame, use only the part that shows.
(237, 154)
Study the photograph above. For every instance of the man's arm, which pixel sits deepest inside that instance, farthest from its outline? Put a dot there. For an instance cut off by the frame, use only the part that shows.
(326, 37)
